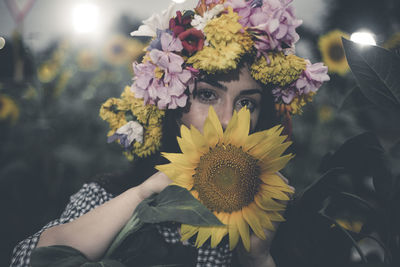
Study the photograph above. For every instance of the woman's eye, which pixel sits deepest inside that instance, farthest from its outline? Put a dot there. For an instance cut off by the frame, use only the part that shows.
(251, 105)
(206, 95)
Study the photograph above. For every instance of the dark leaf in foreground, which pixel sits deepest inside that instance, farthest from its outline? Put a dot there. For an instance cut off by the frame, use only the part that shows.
(176, 204)
(377, 72)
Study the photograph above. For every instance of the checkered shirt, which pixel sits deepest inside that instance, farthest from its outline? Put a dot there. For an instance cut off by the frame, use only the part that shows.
(92, 195)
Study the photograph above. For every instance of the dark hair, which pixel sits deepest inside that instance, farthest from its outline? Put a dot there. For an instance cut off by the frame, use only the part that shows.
(142, 168)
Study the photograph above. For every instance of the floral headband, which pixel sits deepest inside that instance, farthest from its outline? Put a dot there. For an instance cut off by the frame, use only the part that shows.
(210, 39)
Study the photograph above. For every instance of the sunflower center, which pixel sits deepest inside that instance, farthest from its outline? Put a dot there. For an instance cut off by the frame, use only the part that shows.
(227, 178)
(336, 52)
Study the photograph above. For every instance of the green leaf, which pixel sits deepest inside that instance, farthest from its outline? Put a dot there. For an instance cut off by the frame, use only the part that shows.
(130, 227)
(176, 204)
(64, 256)
(355, 100)
(377, 72)
(61, 256)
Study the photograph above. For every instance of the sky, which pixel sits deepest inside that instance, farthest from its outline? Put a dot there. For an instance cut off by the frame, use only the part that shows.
(50, 19)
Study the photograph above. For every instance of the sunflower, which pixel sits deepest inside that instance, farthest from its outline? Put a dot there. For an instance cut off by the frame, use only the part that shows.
(234, 175)
(332, 51)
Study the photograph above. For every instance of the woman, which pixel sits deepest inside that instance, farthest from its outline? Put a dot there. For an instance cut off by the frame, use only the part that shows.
(224, 54)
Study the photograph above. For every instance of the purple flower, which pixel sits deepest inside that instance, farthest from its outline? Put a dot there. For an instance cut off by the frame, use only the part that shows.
(243, 8)
(166, 59)
(144, 79)
(127, 134)
(312, 78)
(168, 90)
(272, 22)
(286, 94)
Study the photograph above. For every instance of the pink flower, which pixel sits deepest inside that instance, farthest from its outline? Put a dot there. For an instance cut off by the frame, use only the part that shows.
(143, 80)
(312, 78)
(272, 22)
(166, 59)
(243, 8)
(167, 91)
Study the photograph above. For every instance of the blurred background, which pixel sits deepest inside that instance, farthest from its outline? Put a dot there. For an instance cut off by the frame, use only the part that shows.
(60, 60)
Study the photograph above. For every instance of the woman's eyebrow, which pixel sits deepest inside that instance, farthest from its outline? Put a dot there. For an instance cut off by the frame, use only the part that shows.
(215, 84)
(250, 92)
(223, 87)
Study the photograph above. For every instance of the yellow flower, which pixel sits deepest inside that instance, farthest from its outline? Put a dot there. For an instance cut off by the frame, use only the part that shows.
(121, 50)
(325, 113)
(281, 70)
(87, 60)
(393, 42)
(112, 113)
(228, 41)
(350, 225)
(234, 175)
(8, 109)
(332, 51)
(151, 141)
(146, 114)
(118, 111)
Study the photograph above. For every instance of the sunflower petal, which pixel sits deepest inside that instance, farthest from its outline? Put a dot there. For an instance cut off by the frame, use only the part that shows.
(274, 192)
(168, 170)
(273, 179)
(254, 139)
(276, 151)
(268, 144)
(266, 221)
(184, 181)
(230, 129)
(215, 121)
(265, 202)
(199, 140)
(187, 231)
(178, 159)
(276, 164)
(233, 233)
(202, 236)
(243, 228)
(189, 150)
(241, 131)
(250, 214)
(210, 133)
(217, 233)
(276, 216)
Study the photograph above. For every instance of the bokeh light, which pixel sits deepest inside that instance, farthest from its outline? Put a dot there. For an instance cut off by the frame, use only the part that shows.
(364, 38)
(85, 17)
(2, 42)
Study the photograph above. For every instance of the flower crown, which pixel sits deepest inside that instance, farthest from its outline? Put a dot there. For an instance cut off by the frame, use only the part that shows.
(212, 39)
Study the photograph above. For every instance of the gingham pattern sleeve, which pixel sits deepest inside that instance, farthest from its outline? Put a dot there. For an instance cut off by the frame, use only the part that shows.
(87, 198)
(207, 256)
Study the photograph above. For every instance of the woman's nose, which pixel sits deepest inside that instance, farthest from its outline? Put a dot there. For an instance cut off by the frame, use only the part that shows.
(225, 114)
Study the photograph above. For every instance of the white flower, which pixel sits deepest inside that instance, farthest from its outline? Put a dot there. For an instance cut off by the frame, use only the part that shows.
(199, 22)
(133, 131)
(156, 21)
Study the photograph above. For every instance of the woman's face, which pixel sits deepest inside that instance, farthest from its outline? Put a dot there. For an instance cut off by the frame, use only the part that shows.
(226, 93)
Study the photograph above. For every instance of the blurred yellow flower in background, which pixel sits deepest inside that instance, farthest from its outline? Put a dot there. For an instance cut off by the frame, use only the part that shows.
(87, 60)
(332, 51)
(8, 109)
(121, 50)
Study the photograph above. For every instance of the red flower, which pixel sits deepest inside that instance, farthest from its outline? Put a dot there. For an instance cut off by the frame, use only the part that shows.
(179, 24)
(192, 40)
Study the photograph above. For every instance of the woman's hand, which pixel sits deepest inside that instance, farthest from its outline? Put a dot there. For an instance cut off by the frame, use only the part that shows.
(259, 253)
(154, 184)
